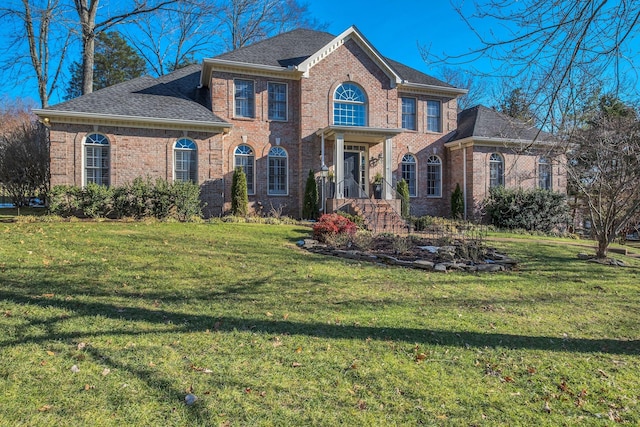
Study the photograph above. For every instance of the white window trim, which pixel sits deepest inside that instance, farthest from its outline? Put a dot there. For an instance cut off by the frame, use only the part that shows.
(184, 149)
(253, 193)
(416, 186)
(440, 177)
(365, 104)
(286, 193)
(426, 117)
(286, 98)
(235, 116)
(503, 177)
(415, 101)
(84, 157)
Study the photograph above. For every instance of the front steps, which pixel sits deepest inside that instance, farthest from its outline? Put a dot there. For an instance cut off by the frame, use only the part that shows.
(379, 216)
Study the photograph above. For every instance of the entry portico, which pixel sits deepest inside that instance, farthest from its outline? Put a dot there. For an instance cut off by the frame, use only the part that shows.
(351, 146)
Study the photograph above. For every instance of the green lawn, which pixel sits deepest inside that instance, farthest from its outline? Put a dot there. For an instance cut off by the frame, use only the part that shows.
(264, 333)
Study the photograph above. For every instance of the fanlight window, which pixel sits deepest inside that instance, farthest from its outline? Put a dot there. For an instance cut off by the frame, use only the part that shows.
(434, 177)
(245, 159)
(185, 156)
(409, 173)
(349, 106)
(96, 160)
(277, 171)
(496, 170)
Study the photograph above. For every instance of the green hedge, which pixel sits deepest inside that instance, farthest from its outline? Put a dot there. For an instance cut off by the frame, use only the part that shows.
(142, 198)
(533, 210)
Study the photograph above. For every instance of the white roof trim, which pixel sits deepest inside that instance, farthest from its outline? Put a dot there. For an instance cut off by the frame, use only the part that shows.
(484, 141)
(350, 33)
(133, 121)
(209, 64)
(418, 87)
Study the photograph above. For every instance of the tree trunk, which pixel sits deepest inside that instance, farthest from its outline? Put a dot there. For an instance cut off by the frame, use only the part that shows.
(603, 245)
(87, 15)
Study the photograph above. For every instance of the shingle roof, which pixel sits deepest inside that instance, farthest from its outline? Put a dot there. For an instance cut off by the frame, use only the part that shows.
(173, 96)
(293, 47)
(290, 48)
(483, 122)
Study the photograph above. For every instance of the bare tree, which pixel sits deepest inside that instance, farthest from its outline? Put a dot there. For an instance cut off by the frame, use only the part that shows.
(169, 39)
(248, 21)
(24, 162)
(476, 86)
(561, 47)
(37, 40)
(604, 168)
(87, 12)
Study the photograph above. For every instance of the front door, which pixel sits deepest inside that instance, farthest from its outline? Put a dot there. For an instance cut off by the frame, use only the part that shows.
(355, 182)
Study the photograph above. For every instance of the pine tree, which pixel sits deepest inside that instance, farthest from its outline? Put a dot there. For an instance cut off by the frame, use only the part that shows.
(310, 205)
(457, 203)
(239, 194)
(115, 62)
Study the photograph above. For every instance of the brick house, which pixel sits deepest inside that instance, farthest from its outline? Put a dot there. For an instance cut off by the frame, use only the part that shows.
(303, 100)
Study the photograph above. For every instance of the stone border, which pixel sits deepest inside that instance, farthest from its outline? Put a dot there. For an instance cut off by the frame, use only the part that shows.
(494, 262)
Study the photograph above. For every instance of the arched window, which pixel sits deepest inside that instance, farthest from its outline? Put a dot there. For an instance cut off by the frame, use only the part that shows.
(349, 106)
(185, 155)
(277, 179)
(244, 158)
(434, 177)
(409, 173)
(96, 159)
(544, 174)
(496, 170)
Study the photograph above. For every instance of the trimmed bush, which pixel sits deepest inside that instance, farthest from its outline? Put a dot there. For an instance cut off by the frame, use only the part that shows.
(330, 225)
(95, 201)
(402, 188)
(310, 203)
(532, 210)
(140, 199)
(457, 203)
(63, 200)
(186, 199)
(239, 193)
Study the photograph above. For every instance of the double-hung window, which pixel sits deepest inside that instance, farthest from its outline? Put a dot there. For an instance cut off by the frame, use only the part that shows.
(434, 177)
(409, 113)
(434, 116)
(277, 179)
(185, 156)
(96, 159)
(277, 93)
(245, 98)
(245, 158)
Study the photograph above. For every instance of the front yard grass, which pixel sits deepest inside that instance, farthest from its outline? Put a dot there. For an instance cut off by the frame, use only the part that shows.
(264, 333)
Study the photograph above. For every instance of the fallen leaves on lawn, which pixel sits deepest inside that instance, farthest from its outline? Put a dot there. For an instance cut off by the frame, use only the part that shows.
(105, 372)
(75, 369)
(296, 365)
(45, 408)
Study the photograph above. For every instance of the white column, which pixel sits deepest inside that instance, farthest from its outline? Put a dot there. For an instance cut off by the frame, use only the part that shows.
(338, 160)
(387, 155)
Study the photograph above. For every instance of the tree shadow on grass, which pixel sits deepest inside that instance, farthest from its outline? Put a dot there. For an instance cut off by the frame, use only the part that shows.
(184, 322)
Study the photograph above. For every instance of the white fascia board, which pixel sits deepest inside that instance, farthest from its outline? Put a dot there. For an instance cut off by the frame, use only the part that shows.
(496, 142)
(422, 88)
(210, 64)
(133, 121)
(350, 33)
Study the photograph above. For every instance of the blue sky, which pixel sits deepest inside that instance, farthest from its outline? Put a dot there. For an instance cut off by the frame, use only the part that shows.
(396, 27)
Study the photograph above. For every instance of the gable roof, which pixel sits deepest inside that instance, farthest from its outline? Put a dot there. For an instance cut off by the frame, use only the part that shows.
(295, 52)
(173, 99)
(284, 50)
(480, 123)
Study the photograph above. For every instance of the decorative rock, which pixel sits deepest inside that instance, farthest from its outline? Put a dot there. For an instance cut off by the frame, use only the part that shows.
(423, 264)
(432, 249)
(584, 256)
(489, 268)
(440, 267)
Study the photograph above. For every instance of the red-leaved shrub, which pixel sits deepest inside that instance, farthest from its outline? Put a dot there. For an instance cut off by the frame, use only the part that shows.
(332, 224)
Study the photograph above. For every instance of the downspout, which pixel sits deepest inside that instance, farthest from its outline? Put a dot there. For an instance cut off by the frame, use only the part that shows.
(464, 180)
